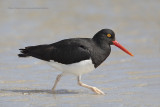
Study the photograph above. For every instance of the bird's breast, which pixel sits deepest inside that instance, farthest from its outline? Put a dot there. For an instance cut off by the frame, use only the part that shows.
(100, 54)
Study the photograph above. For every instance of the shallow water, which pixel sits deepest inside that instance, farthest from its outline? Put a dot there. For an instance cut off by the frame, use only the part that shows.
(127, 81)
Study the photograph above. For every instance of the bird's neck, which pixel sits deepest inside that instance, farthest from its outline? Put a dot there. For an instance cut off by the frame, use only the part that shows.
(102, 51)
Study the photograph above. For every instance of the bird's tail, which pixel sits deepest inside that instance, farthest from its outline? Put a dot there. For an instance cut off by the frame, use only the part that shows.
(26, 51)
(39, 51)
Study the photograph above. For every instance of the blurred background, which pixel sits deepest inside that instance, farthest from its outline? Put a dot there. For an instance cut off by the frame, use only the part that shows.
(127, 81)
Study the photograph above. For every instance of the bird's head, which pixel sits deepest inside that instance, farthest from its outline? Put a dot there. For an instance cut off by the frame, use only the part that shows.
(109, 36)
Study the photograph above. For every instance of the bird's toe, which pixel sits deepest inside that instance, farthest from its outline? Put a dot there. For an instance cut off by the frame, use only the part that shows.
(98, 91)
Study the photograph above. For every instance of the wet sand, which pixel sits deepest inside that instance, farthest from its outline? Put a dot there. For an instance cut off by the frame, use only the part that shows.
(127, 81)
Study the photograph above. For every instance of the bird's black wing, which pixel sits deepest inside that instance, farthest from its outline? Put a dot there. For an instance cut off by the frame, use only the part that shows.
(66, 51)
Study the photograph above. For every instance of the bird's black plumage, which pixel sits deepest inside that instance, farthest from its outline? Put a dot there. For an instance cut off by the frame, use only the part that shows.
(74, 50)
(76, 56)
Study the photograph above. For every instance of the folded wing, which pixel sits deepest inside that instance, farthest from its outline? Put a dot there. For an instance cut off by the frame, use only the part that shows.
(65, 52)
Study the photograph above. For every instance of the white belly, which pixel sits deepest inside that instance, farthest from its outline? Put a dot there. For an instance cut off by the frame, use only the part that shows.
(79, 68)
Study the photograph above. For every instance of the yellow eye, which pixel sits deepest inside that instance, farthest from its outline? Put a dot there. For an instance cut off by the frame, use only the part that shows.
(109, 35)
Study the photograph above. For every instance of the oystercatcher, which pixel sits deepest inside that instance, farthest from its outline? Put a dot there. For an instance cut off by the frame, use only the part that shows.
(76, 56)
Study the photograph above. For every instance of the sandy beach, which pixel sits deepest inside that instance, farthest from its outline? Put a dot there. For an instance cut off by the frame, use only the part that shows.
(126, 81)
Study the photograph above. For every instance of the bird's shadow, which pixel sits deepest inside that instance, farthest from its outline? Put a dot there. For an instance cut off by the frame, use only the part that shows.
(61, 91)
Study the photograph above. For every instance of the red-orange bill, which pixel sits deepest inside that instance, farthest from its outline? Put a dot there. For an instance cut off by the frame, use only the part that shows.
(122, 48)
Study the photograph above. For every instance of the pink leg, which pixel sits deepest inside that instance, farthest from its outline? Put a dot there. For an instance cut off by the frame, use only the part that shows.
(57, 79)
(94, 89)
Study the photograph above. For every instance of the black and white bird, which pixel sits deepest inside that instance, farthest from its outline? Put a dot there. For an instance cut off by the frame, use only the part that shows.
(76, 56)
